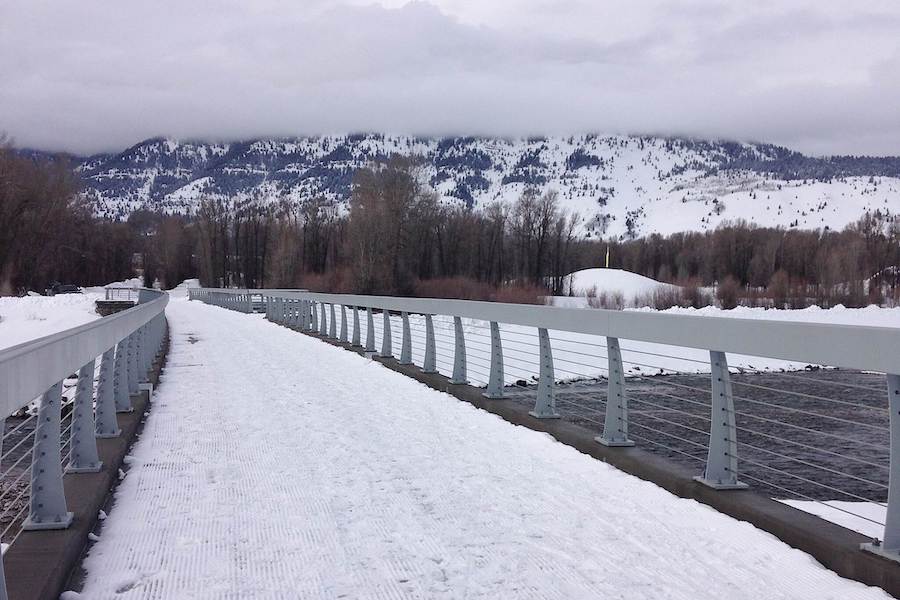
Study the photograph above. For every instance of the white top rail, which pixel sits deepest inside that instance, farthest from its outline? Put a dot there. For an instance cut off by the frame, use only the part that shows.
(845, 346)
(28, 369)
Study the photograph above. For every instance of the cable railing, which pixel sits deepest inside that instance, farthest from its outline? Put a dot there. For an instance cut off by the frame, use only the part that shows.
(799, 406)
(59, 393)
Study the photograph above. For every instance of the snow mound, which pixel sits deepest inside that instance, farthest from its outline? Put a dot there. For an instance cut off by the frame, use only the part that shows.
(181, 290)
(613, 281)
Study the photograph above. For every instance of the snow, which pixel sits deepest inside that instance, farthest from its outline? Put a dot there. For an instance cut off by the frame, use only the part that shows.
(613, 281)
(274, 465)
(30, 317)
(866, 518)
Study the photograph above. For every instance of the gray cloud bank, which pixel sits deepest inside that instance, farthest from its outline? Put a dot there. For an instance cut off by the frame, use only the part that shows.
(822, 77)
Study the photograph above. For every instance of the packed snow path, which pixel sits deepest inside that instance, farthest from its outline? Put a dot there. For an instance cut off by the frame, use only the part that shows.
(274, 465)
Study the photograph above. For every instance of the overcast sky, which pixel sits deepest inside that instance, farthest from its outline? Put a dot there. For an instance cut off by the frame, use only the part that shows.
(821, 76)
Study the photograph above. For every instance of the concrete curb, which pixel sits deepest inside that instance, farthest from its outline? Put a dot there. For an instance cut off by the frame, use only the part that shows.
(38, 565)
(837, 548)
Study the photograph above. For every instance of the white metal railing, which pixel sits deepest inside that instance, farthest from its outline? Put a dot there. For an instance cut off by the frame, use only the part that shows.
(786, 426)
(121, 294)
(126, 345)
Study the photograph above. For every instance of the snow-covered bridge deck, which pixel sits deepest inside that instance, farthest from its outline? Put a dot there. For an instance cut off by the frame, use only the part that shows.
(276, 466)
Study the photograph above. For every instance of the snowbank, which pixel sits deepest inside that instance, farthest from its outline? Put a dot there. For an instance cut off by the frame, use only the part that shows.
(613, 281)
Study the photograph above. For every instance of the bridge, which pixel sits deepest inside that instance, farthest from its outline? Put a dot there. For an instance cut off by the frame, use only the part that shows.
(318, 445)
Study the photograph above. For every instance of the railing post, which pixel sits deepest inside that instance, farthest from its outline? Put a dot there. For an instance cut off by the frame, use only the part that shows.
(406, 348)
(721, 463)
(3, 593)
(83, 457)
(131, 365)
(459, 353)
(615, 424)
(323, 325)
(429, 365)
(123, 399)
(356, 337)
(494, 388)
(545, 404)
(48, 500)
(332, 326)
(343, 323)
(370, 330)
(387, 350)
(106, 425)
(890, 546)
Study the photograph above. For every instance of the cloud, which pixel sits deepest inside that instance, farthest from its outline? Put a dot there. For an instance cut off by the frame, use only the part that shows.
(91, 76)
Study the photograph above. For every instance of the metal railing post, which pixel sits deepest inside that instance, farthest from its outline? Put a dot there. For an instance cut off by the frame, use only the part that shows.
(343, 323)
(356, 337)
(386, 349)
(429, 364)
(3, 593)
(494, 389)
(459, 353)
(315, 316)
(332, 326)
(406, 347)
(48, 499)
(123, 399)
(721, 471)
(890, 545)
(370, 330)
(323, 324)
(131, 368)
(83, 457)
(545, 404)
(106, 425)
(615, 424)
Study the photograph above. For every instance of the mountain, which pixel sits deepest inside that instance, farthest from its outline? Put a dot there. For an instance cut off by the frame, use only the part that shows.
(619, 185)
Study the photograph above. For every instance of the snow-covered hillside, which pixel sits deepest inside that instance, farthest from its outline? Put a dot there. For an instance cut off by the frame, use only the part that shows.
(619, 185)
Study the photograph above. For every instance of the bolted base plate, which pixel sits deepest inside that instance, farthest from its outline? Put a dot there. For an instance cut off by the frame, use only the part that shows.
(614, 443)
(537, 415)
(492, 396)
(431, 372)
(880, 551)
(720, 485)
(64, 523)
(95, 469)
(117, 433)
(463, 382)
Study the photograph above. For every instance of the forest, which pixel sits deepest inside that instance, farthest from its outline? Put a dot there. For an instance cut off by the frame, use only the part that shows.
(399, 237)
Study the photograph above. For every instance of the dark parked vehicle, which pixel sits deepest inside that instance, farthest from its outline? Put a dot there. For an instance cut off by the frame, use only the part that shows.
(62, 288)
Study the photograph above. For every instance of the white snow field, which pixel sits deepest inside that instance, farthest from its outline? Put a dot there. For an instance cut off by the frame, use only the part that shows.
(273, 465)
(29, 317)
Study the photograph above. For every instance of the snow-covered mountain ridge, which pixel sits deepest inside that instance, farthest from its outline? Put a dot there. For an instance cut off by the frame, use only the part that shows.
(619, 185)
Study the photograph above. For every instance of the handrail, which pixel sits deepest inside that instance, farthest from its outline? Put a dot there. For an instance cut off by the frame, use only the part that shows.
(846, 346)
(30, 368)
